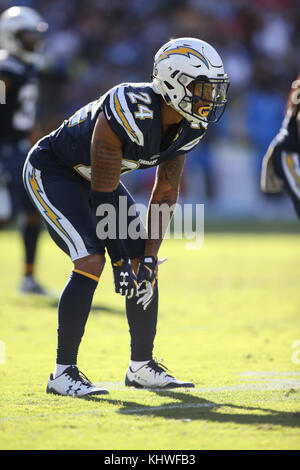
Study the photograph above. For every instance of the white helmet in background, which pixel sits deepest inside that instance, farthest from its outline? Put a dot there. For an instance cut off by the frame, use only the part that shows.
(21, 30)
(187, 71)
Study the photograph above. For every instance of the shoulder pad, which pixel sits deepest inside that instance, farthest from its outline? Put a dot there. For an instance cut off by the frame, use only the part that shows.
(126, 107)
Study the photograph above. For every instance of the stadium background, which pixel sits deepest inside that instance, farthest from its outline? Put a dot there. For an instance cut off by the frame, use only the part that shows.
(229, 313)
(93, 45)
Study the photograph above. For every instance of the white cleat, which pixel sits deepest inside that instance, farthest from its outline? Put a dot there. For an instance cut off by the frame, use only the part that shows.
(73, 383)
(153, 375)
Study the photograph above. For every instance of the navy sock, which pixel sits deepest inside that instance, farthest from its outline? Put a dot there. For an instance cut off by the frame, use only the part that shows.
(30, 233)
(73, 311)
(142, 327)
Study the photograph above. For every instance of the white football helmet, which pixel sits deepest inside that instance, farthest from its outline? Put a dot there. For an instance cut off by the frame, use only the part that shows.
(188, 71)
(21, 30)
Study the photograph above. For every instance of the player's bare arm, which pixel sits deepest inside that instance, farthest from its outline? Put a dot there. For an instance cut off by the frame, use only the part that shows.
(165, 194)
(106, 161)
(106, 157)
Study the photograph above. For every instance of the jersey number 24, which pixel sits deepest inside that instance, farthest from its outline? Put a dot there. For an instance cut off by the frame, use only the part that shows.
(143, 111)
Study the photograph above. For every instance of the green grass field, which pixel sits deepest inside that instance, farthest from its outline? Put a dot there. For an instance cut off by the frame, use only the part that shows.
(229, 320)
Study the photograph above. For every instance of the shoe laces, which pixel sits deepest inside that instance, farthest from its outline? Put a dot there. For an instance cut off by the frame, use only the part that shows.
(158, 367)
(78, 376)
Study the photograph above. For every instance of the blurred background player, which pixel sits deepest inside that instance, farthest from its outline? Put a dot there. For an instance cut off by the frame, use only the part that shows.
(281, 164)
(21, 37)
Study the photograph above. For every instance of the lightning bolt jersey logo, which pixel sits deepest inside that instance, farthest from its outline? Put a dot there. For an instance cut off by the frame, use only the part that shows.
(49, 213)
(185, 51)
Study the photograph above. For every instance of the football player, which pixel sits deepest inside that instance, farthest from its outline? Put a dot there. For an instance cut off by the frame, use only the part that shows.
(73, 176)
(281, 163)
(21, 33)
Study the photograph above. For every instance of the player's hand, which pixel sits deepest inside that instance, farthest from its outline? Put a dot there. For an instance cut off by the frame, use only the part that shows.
(124, 278)
(146, 278)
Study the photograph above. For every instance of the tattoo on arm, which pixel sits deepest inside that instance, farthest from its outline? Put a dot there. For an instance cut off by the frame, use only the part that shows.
(106, 157)
(169, 173)
(106, 166)
(162, 202)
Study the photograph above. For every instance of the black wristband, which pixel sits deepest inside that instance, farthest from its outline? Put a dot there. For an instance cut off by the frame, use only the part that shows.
(100, 197)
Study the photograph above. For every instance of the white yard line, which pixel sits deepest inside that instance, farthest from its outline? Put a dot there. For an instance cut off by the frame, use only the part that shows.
(150, 409)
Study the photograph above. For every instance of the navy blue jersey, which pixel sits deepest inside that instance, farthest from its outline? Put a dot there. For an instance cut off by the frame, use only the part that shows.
(19, 85)
(133, 111)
